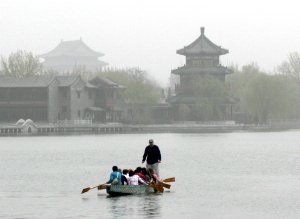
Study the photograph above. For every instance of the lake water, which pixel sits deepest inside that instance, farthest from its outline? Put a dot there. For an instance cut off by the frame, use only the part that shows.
(224, 175)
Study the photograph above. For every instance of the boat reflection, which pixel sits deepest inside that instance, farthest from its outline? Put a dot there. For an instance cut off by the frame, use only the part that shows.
(146, 206)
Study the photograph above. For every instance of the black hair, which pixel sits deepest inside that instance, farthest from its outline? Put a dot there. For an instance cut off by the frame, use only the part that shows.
(131, 173)
(125, 171)
(114, 168)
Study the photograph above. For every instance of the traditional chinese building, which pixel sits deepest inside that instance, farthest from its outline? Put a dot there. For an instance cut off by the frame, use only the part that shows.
(58, 98)
(202, 58)
(71, 55)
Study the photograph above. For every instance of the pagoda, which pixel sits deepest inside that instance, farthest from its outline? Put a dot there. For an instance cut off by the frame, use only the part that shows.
(202, 58)
(72, 55)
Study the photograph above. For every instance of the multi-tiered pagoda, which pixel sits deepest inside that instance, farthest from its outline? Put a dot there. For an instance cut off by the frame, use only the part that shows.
(202, 58)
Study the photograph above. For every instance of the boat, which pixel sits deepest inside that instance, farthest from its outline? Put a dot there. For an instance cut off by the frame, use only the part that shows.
(120, 190)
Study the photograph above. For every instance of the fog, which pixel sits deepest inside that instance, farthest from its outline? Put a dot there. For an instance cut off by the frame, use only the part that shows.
(146, 34)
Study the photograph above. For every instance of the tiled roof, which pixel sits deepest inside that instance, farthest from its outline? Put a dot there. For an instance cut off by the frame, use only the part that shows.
(202, 45)
(66, 80)
(75, 48)
(105, 82)
(197, 70)
(33, 81)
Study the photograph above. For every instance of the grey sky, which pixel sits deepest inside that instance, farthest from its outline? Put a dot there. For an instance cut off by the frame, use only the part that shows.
(147, 33)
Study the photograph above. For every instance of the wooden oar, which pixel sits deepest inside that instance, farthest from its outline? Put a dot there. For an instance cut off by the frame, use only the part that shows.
(102, 186)
(171, 179)
(89, 188)
(157, 187)
(166, 185)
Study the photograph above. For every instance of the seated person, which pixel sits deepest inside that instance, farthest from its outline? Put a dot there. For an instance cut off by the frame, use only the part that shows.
(115, 177)
(135, 179)
(138, 171)
(125, 177)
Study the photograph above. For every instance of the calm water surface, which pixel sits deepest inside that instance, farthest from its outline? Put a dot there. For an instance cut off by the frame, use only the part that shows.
(230, 175)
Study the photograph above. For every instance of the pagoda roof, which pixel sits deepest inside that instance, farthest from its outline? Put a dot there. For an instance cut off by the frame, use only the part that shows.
(75, 48)
(202, 45)
(219, 69)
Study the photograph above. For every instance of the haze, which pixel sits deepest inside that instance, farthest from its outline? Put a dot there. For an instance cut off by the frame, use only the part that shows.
(146, 34)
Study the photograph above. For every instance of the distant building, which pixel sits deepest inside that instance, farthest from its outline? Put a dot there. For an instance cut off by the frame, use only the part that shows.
(55, 98)
(202, 58)
(72, 55)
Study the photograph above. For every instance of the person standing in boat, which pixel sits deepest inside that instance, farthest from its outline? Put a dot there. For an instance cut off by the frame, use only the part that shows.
(152, 156)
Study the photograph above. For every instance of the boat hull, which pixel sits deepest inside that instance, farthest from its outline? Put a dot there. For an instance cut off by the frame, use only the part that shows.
(120, 190)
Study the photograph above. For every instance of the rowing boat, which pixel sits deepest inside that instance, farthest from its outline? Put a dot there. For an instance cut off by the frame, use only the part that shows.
(119, 190)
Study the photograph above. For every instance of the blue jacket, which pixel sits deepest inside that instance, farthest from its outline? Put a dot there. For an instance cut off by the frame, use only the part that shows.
(114, 175)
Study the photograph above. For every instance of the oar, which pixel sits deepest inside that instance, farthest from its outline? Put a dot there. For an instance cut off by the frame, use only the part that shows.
(102, 186)
(171, 179)
(166, 185)
(89, 188)
(157, 187)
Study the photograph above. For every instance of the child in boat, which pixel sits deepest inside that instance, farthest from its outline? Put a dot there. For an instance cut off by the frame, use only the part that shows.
(146, 173)
(135, 179)
(125, 177)
(139, 171)
(115, 177)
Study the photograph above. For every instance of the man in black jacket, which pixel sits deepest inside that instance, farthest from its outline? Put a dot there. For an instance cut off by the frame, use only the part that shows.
(152, 154)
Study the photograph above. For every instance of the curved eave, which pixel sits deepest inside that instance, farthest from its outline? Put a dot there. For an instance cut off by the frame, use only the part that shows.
(202, 46)
(185, 52)
(50, 55)
(193, 70)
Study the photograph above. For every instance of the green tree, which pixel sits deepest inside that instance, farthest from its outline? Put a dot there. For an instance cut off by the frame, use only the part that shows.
(140, 92)
(140, 89)
(20, 64)
(268, 97)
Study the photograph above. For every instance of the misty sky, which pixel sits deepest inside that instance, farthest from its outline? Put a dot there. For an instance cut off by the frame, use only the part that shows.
(146, 34)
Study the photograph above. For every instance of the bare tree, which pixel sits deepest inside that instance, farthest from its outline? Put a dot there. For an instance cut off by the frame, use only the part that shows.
(291, 67)
(20, 64)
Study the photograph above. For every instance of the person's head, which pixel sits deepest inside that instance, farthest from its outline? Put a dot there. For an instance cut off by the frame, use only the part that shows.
(151, 142)
(114, 168)
(125, 171)
(144, 171)
(131, 173)
(138, 170)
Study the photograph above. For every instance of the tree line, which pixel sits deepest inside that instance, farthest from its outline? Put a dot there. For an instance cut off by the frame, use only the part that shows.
(256, 96)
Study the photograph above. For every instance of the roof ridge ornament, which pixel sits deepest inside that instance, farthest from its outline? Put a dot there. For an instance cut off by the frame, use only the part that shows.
(202, 30)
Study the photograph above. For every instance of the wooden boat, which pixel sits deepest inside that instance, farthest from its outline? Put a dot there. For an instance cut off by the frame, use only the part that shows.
(119, 190)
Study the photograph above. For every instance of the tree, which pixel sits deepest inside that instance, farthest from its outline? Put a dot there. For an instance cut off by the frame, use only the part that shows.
(140, 93)
(20, 64)
(268, 97)
(140, 89)
(291, 67)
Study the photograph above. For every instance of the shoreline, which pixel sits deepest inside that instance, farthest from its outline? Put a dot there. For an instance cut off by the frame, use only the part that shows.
(49, 129)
